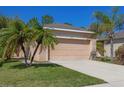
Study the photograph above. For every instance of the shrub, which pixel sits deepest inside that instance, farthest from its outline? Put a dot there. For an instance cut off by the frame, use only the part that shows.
(100, 47)
(104, 59)
(1, 62)
(119, 53)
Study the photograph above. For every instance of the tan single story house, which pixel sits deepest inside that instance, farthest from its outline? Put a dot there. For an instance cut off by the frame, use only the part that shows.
(118, 41)
(73, 44)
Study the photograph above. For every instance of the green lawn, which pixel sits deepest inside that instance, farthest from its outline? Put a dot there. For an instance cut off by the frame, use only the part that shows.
(42, 75)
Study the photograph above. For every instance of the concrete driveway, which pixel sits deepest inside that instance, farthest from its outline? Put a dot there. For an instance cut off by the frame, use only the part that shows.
(111, 73)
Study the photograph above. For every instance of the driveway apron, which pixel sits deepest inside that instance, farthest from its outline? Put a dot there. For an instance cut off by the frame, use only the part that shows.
(111, 73)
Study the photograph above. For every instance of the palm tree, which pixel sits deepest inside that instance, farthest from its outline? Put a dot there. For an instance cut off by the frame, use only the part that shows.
(108, 24)
(44, 38)
(15, 36)
(3, 24)
(68, 23)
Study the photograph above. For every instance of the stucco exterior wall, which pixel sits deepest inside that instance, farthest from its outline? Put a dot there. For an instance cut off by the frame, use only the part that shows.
(92, 45)
(41, 55)
(117, 43)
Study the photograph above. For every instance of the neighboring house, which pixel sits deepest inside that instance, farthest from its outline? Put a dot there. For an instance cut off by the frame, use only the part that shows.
(118, 41)
(74, 44)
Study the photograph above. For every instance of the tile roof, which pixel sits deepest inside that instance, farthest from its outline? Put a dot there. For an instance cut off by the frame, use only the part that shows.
(63, 26)
(117, 35)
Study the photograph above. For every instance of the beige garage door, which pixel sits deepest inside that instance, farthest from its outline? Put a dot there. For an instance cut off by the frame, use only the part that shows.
(70, 50)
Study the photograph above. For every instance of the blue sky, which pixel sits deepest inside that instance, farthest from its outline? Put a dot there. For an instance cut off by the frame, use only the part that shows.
(76, 15)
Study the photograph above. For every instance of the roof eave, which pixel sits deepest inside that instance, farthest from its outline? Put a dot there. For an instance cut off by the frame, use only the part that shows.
(62, 37)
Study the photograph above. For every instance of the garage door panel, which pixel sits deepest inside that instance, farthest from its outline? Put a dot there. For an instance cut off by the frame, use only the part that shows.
(69, 41)
(70, 57)
(81, 50)
(71, 53)
(69, 46)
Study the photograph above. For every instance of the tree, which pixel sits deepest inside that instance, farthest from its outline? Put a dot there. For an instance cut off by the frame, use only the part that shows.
(94, 27)
(107, 24)
(46, 19)
(15, 36)
(44, 38)
(4, 22)
(68, 23)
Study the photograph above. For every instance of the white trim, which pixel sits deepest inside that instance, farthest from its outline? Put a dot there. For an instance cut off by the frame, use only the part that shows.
(71, 30)
(72, 38)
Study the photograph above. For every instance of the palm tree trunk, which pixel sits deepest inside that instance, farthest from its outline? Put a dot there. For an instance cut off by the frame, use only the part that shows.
(48, 53)
(32, 58)
(111, 48)
(25, 56)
